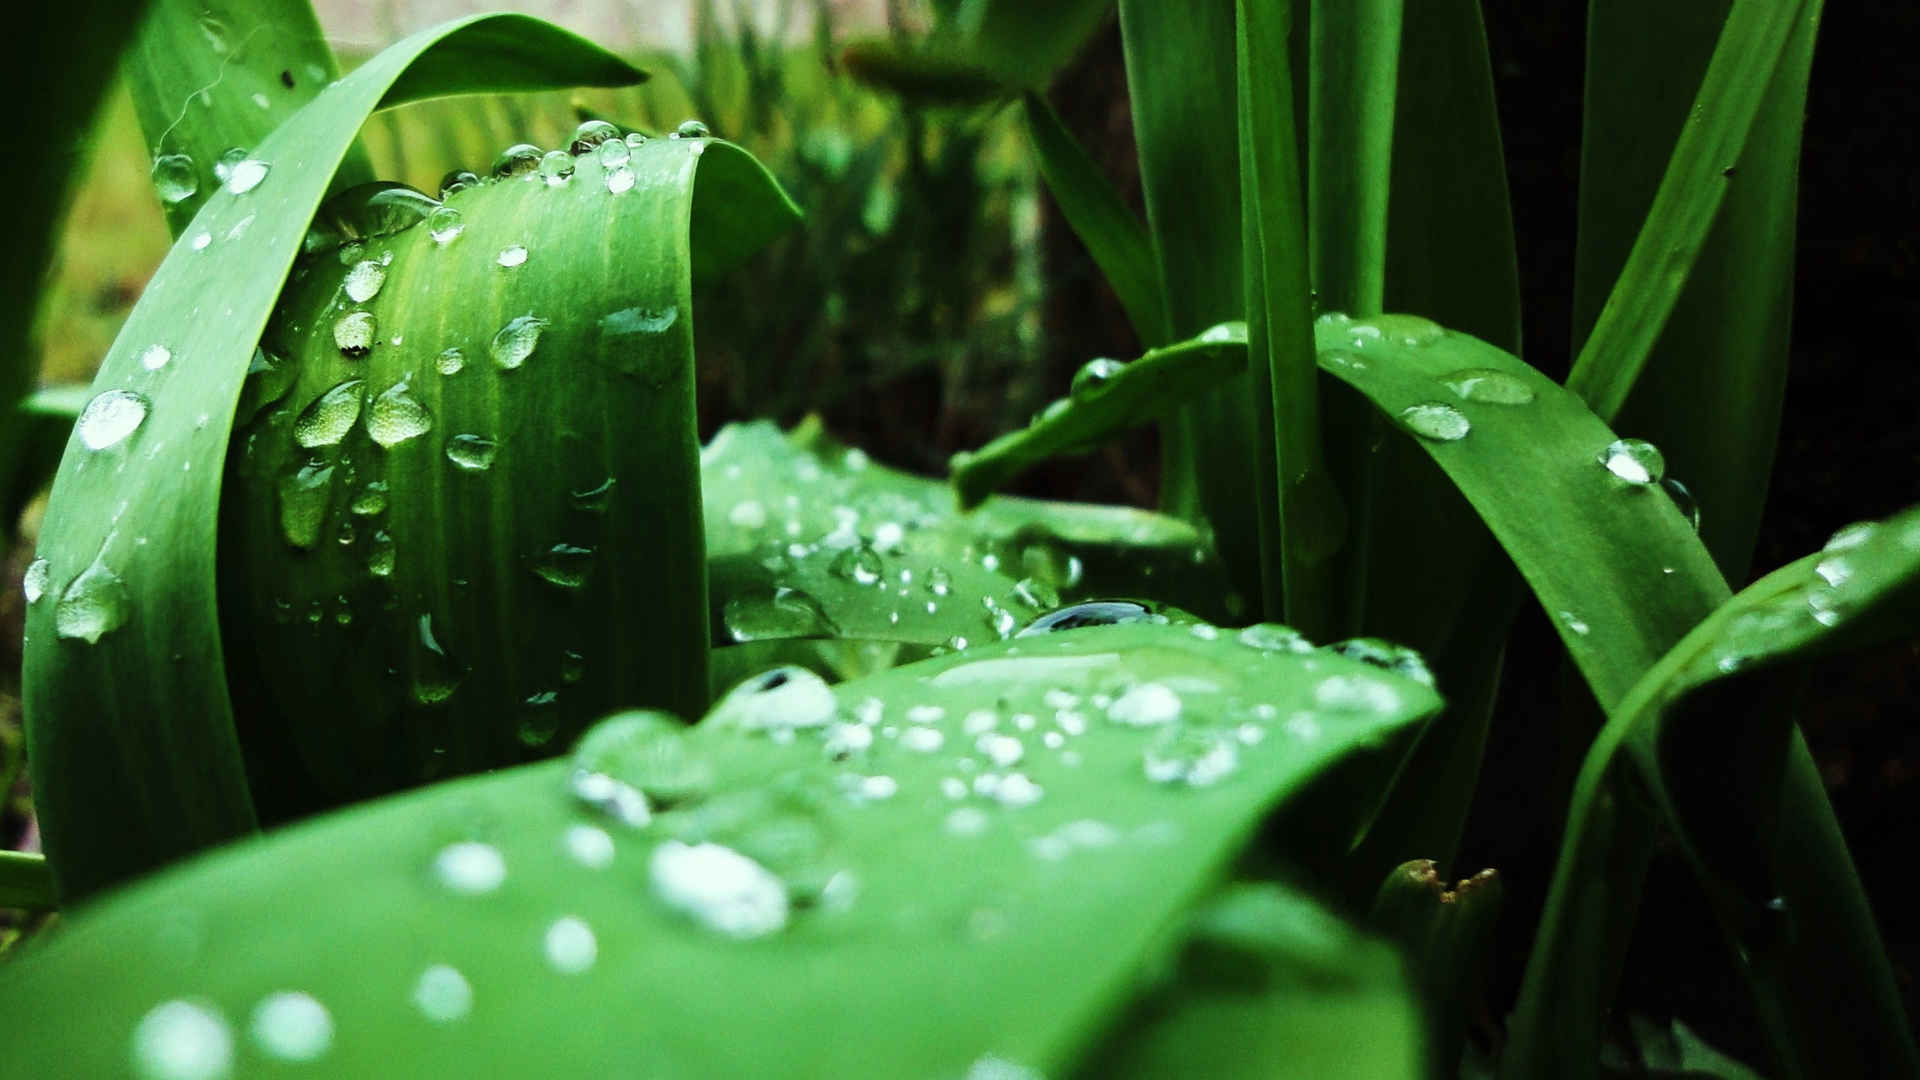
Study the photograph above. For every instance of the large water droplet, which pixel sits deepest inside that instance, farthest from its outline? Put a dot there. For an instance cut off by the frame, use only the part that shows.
(780, 613)
(444, 224)
(512, 255)
(472, 452)
(372, 499)
(442, 994)
(1146, 704)
(1275, 638)
(470, 868)
(1090, 613)
(514, 342)
(619, 179)
(859, 564)
(455, 182)
(183, 1040)
(245, 175)
(613, 154)
(1489, 386)
(691, 129)
(635, 760)
(34, 583)
(396, 416)
(110, 417)
(304, 496)
(436, 675)
(719, 888)
(1093, 377)
(1683, 500)
(354, 333)
(363, 280)
(1196, 757)
(174, 178)
(520, 159)
(565, 565)
(328, 418)
(784, 698)
(1436, 420)
(292, 1026)
(1636, 461)
(593, 133)
(556, 167)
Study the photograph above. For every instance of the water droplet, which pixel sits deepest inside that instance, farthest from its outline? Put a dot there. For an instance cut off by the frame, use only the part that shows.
(1003, 750)
(635, 140)
(456, 181)
(514, 342)
(619, 179)
(328, 418)
(1049, 563)
(1090, 613)
(1683, 501)
(512, 255)
(372, 499)
(520, 159)
(939, 581)
(1636, 461)
(1851, 536)
(570, 945)
(1574, 623)
(183, 1040)
(292, 1026)
(396, 416)
(923, 740)
(243, 176)
(748, 514)
(201, 240)
(589, 846)
(637, 759)
(639, 320)
(781, 613)
(354, 333)
(471, 452)
(613, 154)
(691, 129)
(1355, 693)
(1275, 638)
(1385, 655)
(591, 134)
(861, 565)
(174, 178)
(592, 500)
(1489, 386)
(572, 666)
(719, 888)
(363, 281)
(435, 674)
(155, 357)
(110, 417)
(1436, 420)
(565, 565)
(786, 697)
(556, 167)
(442, 994)
(1034, 593)
(380, 557)
(1092, 378)
(470, 868)
(443, 224)
(1196, 757)
(304, 496)
(38, 576)
(1145, 704)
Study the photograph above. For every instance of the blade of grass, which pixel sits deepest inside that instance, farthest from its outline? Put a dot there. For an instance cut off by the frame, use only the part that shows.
(1100, 218)
(1280, 317)
(122, 783)
(1754, 821)
(1726, 341)
(207, 76)
(1738, 82)
(1352, 71)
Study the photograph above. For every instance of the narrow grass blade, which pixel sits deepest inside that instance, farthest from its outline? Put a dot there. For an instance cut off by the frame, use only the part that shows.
(885, 926)
(1280, 317)
(1708, 733)
(451, 546)
(1725, 342)
(1184, 99)
(209, 77)
(1108, 398)
(1738, 82)
(1268, 983)
(1115, 238)
(129, 725)
(1352, 77)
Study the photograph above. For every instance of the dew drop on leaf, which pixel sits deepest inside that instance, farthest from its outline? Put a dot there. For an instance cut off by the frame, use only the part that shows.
(1275, 638)
(1089, 613)
(155, 357)
(372, 499)
(512, 255)
(619, 179)
(33, 584)
(183, 1040)
(556, 167)
(514, 342)
(396, 416)
(436, 676)
(589, 845)
(1683, 500)
(354, 333)
(1147, 704)
(470, 868)
(174, 178)
(454, 182)
(444, 224)
(778, 613)
(1489, 386)
(565, 565)
(783, 698)
(110, 417)
(292, 1026)
(719, 888)
(330, 416)
(519, 159)
(591, 134)
(691, 129)
(1093, 377)
(1193, 756)
(94, 604)
(570, 945)
(1635, 461)
(442, 994)
(613, 154)
(1436, 420)
(246, 175)
(363, 280)
(473, 453)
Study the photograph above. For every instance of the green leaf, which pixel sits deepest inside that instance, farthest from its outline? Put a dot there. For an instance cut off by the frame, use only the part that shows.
(41, 426)
(1108, 398)
(807, 538)
(454, 548)
(1726, 339)
(1708, 734)
(1738, 82)
(1352, 70)
(121, 782)
(25, 881)
(212, 76)
(1268, 983)
(980, 50)
(1115, 239)
(922, 932)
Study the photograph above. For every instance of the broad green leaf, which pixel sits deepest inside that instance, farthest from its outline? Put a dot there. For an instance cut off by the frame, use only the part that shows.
(905, 914)
(130, 730)
(210, 79)
(1279, 307)
(463, 518)
(1708, 734)
(1267, 983)
(1106, 398)
(50, 50)
(1739, 79)
(1115, 239)
(1184, 96)
(807, 538)
(1726, 339)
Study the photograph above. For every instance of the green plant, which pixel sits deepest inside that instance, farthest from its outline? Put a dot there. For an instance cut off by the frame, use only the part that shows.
(1032, 829)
